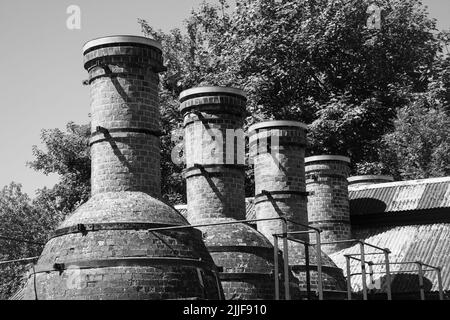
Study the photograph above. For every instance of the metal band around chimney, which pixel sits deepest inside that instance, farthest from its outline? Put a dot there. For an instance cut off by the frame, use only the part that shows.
(211, 91)
(120, 39)
(370, 178)
(277, 124)
(326, 158)
(267, 196)
(231, 276)
(94, 227)
(106, 133)
(240, 249)
(316, 176)
(211, 169)
(121, 262)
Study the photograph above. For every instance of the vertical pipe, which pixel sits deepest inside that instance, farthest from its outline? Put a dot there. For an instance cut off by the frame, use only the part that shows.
(363, 270)
(219, 287)
(349, 279)
(308, 275)
(422, 291)
(276, 271)
(441, 291)
(388, 275)
(319, 264)
(286, 260)
(372, 282)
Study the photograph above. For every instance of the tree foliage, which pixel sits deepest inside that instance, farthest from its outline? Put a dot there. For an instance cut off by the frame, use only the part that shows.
(311, 61)
(20, 220)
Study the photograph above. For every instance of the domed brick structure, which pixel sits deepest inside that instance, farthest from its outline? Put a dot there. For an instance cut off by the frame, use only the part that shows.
(328, 202)
(106, 249)
(215, 158)
(277, 149)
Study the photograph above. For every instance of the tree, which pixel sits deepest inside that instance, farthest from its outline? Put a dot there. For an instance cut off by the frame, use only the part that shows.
(66, 154)
(420, 144)
(23, 227)
(311, 61)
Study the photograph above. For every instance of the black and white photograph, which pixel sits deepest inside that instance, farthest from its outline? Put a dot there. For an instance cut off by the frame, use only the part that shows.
(225, 157)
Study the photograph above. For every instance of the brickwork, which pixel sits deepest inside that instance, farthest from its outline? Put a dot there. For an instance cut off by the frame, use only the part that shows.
(124, 98)
(104, 249)
(359, 181)
(215, 191)
(328, 203)
(278, 151)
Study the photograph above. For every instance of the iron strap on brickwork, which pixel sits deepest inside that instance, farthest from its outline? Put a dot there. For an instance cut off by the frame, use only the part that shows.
(120, 262)
(94, 227)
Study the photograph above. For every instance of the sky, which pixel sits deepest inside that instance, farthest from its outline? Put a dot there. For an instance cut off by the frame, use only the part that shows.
(42, 71)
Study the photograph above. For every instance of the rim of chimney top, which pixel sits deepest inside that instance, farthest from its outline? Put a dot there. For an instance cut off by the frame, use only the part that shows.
(190, 93)
(277, 124)
(327, 158)
(98, 42)
(358, 179)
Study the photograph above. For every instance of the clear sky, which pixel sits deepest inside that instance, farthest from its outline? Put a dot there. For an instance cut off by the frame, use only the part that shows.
(42, 71)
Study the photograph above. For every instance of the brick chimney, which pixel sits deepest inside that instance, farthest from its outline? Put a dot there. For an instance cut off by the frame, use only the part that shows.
(328, 203)
(278, 152)
(215, 176)
(104, 250)
(359, 181)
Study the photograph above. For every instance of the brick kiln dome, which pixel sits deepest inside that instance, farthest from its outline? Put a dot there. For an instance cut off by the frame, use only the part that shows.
(106, 249)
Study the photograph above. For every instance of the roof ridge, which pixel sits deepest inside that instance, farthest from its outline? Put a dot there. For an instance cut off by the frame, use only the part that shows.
(399, 183)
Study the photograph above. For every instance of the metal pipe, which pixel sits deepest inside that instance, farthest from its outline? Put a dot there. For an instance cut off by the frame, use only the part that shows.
(308, 275)
(353, 241)
(300, 232)
(394, 272)
(363, 270)
(421, 287)
(367, 254)
(319, 265)
(276, 271)
(214, 224)
(286, 262)
(349, 280)
(439, 277)
(18, 260)
(372, 281)
(388, 275)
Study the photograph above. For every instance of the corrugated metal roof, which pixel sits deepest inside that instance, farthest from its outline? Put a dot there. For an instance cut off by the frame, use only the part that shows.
(429, 244)
(400, 196)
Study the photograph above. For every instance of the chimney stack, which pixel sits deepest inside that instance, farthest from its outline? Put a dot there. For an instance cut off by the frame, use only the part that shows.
(359, 181)
(278, 152)
(215, 176)
(328, 203)
(104, 250)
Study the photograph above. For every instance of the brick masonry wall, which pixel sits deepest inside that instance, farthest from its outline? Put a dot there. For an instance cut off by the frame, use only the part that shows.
(216, 193)
(125, 100)
(279, 170)
(328, 203)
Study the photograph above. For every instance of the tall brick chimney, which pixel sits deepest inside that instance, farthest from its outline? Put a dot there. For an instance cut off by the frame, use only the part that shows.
(278, 152)
(328, 203)
(215, 177)
(358, 181)
(104, 250)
